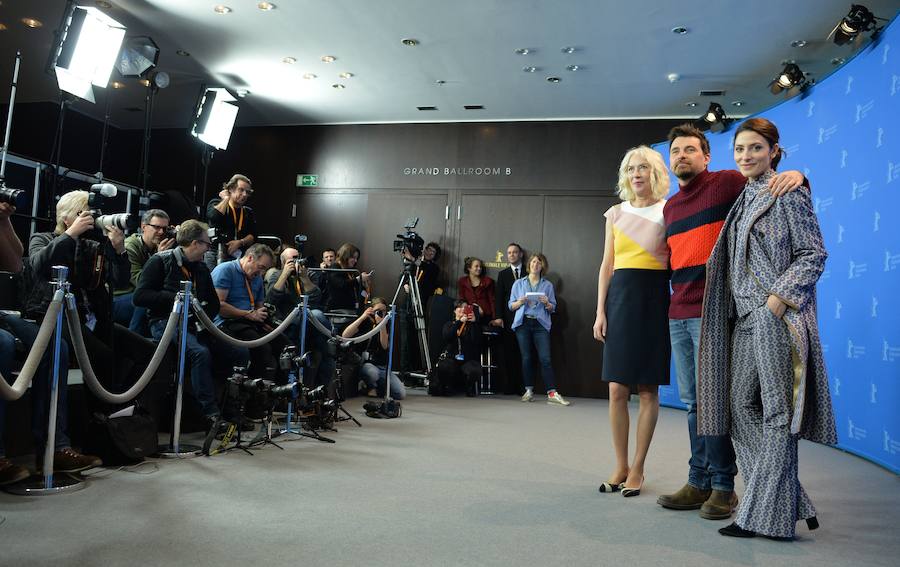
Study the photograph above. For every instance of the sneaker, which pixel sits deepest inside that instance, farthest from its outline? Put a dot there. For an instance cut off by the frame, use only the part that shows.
(556, 398)
(528, 396)
(69, 460)
(11, 472)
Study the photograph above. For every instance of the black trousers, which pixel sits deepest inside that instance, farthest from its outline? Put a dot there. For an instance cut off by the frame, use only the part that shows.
(458, 376)
(263, 359)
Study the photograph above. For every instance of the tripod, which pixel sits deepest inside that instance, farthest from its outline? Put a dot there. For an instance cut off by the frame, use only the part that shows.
(408, 279)
(265, 432)
(338, 383)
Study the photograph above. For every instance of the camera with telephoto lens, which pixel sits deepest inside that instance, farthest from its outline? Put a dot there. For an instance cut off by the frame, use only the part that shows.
(97, 198)
(15, 197)
(409, 239)
(258, 396)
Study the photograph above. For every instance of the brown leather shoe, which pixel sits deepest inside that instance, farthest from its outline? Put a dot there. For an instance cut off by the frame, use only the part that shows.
(720, 505)
(11, 472)
(687, 498)
(69, 460)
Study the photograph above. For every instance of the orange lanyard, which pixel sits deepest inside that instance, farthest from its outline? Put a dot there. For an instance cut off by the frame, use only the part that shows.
(187, 273)
(298, 288)
(249, 292)
(238, 224)
(462, 329)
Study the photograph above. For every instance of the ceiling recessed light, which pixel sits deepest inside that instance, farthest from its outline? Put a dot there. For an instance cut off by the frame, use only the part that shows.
(309, 76)
(553, 79)
(182, 53)
(242, 92)
(427, 107)
(338, 86)
(345, 75)
(787, 62)
(222, 9)
(409, 42)
(737, 103)
(679, 30)
(32, 23)
(117, 85)
(474, 106)
(103, 4)
(573, 67)
(440, 82)
(329, 58)
(523, 51)
(690, 104)
(798, 43)
(529, 69)
(568, 50)
(266, 6)
(673, 77)
(838, 61)
(289, 60)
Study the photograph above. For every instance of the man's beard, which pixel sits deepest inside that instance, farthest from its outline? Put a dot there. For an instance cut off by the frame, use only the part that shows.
(686, 175)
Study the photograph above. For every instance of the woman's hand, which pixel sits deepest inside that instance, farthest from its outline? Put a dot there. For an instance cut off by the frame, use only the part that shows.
(600, 327)
(82, 223)
(776, 306)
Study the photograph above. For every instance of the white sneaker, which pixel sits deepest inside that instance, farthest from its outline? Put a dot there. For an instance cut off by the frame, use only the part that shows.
(556, 398)
(528, 396)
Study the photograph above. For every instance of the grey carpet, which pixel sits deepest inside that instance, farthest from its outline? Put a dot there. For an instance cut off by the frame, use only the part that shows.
(455, 481)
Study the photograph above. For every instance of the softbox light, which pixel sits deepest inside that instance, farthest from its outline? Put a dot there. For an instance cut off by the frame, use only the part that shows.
(214, 117)
(138, 56)
(87, 46)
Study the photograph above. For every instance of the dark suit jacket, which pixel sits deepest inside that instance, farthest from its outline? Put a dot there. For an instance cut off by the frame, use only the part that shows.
(502, 287)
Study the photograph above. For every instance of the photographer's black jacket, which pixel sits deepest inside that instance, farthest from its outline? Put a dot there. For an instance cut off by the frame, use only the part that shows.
(226, 224)
(92, 288)
(161, 280)
(470, 339)
(288, 298)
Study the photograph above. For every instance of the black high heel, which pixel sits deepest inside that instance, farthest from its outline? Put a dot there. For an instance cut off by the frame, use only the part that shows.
(812, 523)
(734, 530)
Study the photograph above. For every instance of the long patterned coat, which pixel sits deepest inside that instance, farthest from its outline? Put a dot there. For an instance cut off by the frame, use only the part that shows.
(785, 236)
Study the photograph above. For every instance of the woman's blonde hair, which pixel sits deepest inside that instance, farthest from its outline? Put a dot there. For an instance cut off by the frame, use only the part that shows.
(68, 207)
(544, 264)
(659, 175)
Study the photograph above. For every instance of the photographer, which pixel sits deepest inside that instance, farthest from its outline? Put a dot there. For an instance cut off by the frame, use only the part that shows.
(459, 368)
(283, 290)
(345, 290)
(160, 281)
(231, 218)
(239, 285)
(374, 370)
(97, 264)
(65, 459)
(155, 236)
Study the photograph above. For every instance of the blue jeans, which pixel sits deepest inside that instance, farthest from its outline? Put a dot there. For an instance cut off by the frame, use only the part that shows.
(712, 463)
(374, 377)
(40, 386)
(126, 314)
(530, 332)
(201, 368)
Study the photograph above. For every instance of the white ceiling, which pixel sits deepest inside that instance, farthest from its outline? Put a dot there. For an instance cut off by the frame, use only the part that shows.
(625, 50)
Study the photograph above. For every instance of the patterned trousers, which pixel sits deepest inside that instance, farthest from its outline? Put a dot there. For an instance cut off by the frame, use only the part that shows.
(761, 410)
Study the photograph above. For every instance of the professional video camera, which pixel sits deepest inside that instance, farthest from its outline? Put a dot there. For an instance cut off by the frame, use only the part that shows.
(256, 396)
(409, 240)
(15, 197)
(96, 199)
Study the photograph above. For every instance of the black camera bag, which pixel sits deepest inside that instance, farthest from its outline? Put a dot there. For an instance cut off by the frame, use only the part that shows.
(125, 440)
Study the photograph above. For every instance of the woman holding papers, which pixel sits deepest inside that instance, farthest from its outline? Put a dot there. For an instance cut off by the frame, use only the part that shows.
(632, 310)
(533, 301)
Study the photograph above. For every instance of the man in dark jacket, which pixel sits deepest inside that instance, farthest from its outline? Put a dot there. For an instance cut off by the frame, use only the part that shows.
(512, 359)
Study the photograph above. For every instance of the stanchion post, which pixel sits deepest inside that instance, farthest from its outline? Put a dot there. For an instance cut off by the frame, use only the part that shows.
(290, 409)
(387, 375)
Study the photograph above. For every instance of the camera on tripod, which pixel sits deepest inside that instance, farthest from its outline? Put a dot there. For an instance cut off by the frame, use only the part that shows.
(409, 239)
(97, 198)
(15, 197)
(257, 397)
(306, 398)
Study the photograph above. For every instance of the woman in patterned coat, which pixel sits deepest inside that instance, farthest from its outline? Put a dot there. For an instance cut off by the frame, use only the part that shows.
(761, 375)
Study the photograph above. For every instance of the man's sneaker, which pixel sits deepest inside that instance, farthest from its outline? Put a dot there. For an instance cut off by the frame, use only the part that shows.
(69, 460)
(11, 472)
(556, 398)
(527, 396)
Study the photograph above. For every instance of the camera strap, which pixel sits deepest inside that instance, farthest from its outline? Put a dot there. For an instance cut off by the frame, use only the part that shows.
(238, 224)
(249, 292)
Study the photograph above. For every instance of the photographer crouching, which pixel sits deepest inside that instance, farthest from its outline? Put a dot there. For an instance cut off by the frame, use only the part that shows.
(459, 368)
(242, 312)
(374, 371)
(283, 291)
(159, 283)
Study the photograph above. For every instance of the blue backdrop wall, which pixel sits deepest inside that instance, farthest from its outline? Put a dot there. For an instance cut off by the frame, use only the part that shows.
(844, 134)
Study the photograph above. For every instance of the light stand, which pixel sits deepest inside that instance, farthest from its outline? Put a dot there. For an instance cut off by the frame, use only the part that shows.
(175, 449)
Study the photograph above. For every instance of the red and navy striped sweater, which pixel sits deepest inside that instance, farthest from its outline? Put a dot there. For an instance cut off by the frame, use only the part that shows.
(694, 218)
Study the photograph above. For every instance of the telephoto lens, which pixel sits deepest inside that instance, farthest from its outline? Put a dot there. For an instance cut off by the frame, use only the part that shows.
(122, 221)
(15, 197)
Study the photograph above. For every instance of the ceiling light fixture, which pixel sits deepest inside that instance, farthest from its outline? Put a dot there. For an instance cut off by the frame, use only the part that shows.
(242, 93)
(409, 42)
(345, 75)
(117, 85)
(791, 76)
(673, 77)
(573, 67)
(309, 76)
(103, 4)
(523, 51)
(182, 53)
(32, 23)
(85, 51)
(679, 30)
(715, 117)
(214, 117)
(289, 60)
(529, 69)
(838, 61)
(222, 9)
(860, 19)
(338, 86)
(553, 79)
(328, 59)
(568, 50)
(737, 103)
(440, 82)
(690, 104)
(798, 43)
(266, 6)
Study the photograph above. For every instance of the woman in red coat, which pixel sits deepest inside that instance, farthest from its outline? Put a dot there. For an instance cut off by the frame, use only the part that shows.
(477, 289)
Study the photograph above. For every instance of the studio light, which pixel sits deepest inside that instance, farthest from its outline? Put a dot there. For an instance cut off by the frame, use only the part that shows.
(715, 117)
(138, 56)
(858, 20)
(214, 117)
(86, 49)
(790, 77)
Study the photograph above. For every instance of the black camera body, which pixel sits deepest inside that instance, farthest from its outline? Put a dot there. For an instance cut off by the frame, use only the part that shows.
(15, 197)
(257, 396)
(409, 239)
(122, 221)
(170, 232)
(272, 318)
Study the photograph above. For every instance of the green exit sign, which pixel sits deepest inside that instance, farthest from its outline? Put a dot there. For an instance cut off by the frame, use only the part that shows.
(307, 180)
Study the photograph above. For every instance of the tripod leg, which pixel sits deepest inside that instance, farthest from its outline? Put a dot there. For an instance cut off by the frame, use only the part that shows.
(416, 297)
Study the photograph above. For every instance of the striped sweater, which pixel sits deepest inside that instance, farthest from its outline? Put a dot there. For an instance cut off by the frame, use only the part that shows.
(694, 216)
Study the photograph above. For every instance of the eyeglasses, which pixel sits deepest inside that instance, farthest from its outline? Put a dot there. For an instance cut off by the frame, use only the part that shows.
(156, 226)
(205, 242)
